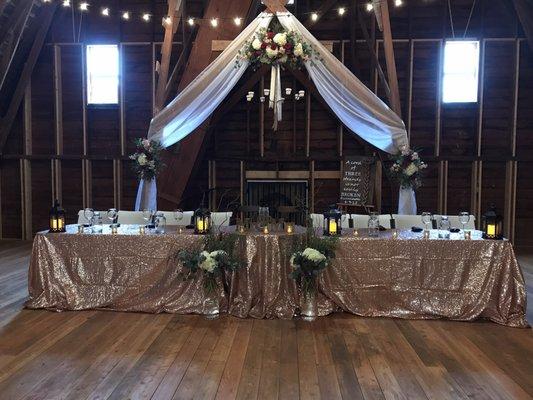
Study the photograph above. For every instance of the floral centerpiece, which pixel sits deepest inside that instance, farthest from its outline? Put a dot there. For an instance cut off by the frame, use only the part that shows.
(147, 158)
(212, 258)
(276, 46)
(306, 265)
(406, 168)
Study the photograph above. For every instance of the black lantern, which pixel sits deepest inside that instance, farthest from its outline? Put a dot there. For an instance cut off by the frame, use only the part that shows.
(332, 221)
(202, 221)
(57, 218)
(492, 224)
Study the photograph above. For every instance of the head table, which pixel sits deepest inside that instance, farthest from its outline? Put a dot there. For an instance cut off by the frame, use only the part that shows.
(404, 277)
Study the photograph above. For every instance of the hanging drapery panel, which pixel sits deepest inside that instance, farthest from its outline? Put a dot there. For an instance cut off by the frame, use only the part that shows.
(205, 93)
(353, 103)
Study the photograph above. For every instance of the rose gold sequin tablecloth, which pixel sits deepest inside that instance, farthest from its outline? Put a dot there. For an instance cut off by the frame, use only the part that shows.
(406, 277)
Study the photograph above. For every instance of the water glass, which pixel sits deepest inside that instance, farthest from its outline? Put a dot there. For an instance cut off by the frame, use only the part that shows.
(426, 219)
(373, 224)
(160, 222)
(148, 215)
(444, 228)
(464, 218)
(97, 223)
(178, 216)
(112, 215)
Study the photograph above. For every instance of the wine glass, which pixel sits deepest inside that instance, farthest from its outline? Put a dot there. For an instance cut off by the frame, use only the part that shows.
(464, 218)
(88, 213)
(160, 222)
(178, 215)
(147, 215)
(112, 214)
(373, 224)
(444, 228)
(96, 222)
(426, 219)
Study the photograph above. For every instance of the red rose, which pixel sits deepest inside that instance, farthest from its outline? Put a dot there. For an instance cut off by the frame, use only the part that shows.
(288, 46)
(270, 35)
(257, 53)
(263, 45)
(273, 46)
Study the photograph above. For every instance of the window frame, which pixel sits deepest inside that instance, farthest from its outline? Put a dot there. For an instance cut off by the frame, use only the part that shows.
(88, 104)
(477, 71)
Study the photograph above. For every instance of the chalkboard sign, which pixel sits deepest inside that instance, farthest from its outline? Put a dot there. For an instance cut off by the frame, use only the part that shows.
(357, 181)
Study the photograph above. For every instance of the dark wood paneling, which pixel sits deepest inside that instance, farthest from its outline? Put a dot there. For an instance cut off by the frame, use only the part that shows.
(459, 187)
(72, 178)
(493, 186)
(11, 200)
(524, 134)
(41, 201)
(129, 186)
(102, 185)
(524, 196)
(42, 103)
(103, 131)
(72, 99)
(427, 194)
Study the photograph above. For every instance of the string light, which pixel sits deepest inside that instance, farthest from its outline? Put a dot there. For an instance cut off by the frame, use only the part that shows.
(105, 12)
(126, 15)
(84, 6)
(314, 16)
(191, 21)
(146, 17)
(47, 1)
(369, 7)
(214, 22)
(398, 3)
(66, 3)
(237, 21)
(342, 10)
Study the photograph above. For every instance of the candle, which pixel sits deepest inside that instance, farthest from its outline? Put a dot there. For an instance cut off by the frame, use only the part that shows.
(332, 227)
(179, 229)
(60, 223)
(355, 232)
(265, 229)
(114, 230)
(289, 228)
(491, 230)
(240, 228)
(468, 235)
(200, 225)
(142, 230)
(426, 234)
(54, 224)
(395, 234)
(80, 228)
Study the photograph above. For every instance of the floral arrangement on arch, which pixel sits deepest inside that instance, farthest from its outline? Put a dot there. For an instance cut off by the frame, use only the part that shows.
(147, 158)
(271, 47)
(407, 168)
(213, 258)
(311, 259)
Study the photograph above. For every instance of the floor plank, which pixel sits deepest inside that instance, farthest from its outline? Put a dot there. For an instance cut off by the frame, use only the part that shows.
(106, 355)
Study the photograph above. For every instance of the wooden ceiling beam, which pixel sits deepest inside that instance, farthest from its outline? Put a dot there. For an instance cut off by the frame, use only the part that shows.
(45, 20)
(524, 10)
(166, 51)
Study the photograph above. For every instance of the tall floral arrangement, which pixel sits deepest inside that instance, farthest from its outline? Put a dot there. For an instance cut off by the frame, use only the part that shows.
(276, 46)
(407, 168)
(215, 255)
(147, 158)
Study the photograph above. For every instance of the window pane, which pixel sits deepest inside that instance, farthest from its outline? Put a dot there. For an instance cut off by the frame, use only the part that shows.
(461, 67)
(102, 74)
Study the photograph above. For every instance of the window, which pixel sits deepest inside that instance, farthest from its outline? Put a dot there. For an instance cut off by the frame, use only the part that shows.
(461, 67)
(102, 74)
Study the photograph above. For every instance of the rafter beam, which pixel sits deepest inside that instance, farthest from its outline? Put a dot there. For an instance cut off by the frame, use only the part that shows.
(524, 10)
(170, 23)
(45, 20)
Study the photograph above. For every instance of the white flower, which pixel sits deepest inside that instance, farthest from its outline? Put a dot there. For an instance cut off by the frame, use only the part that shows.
(280, 39)
(313, 255)
(217, 253)
(293, 265)
(142, 159)
(414, 156)
(271, 52)
(404, 150)
(411, 169)
(209, 263)
(282, 50)
(423, 165)
(256, 44)
(298, 50)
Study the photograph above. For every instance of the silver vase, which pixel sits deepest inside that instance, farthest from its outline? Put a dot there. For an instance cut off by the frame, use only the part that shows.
(308, 306)
(211, 306)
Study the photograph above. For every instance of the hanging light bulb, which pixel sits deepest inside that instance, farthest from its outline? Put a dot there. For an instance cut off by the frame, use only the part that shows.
(398, 3)
(288, 91)
(126, 15)
(66, 3)
(47, 1)
(84, 6)
(237, 21)
(190, 21)
(342, 11)
(167, 20)
(214, 22)
(314, 16)
(369, 7)
(146, 17)
(105, 12)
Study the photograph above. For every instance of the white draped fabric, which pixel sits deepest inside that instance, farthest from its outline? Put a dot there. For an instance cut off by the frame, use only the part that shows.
(355, 105)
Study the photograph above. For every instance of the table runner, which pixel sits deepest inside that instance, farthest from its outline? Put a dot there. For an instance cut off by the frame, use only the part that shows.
(408, 277)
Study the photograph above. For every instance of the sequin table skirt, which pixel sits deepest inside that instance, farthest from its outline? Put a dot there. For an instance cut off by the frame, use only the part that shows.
(408, 277)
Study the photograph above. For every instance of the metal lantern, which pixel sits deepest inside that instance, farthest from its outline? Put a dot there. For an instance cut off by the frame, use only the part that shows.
(202, 221)
(492, 224)
(332, 221)
(57, 218)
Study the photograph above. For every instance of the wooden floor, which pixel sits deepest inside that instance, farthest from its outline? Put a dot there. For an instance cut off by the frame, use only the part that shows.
(107, 355)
